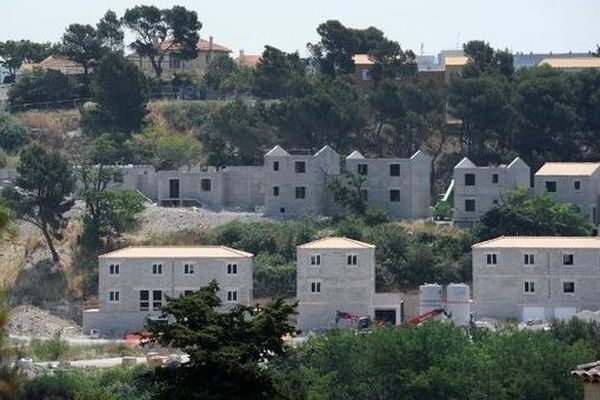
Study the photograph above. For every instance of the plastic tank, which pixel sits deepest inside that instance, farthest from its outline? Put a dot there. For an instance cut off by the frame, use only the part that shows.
(430, 297)
(458, 302)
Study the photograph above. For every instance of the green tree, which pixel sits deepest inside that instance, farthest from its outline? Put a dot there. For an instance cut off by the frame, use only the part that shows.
(81, 43)
(482, 58)
(348, 192)
(519, 215)
(14, 53)
(110, 31)
(38, 86)
(110, 212)
(225, 348)
(12, 135)
(42, 193)
(162, 32)
(165, 150)
(279, 74)
(120, 91)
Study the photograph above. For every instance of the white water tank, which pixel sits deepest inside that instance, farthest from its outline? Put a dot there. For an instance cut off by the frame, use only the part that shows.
(458, 302)
(430, 297)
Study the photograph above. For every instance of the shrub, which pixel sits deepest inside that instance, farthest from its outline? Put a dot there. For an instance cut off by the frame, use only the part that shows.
(49, 350)
(12, 135)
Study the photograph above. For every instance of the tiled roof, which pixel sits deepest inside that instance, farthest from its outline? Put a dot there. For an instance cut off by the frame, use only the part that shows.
(177, 252)
(588, 372)
(204, 45)
(336, 243)
(52, 62)
(248, 60)
(540, 242)
(568, 62)
(568, 169)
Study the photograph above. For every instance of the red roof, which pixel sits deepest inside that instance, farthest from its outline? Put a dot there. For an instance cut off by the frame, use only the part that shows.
(202, 45)
(249, 60)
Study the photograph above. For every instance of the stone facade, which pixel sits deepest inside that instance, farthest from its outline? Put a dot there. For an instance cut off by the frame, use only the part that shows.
(333, 274)
(399, 186)
(577, 183)
(477, 189)
(539, 277)
(134, 282)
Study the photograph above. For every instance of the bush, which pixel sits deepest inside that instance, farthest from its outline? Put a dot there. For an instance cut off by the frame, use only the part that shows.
(274, 276)
(49, 350)
(39, 86)
(12, 135)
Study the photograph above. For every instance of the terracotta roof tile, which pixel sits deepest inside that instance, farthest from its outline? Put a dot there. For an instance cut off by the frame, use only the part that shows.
(540, 242)
(177, 252)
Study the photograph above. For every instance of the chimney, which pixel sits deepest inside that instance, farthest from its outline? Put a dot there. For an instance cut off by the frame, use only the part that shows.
(210, 49)
(241, 55)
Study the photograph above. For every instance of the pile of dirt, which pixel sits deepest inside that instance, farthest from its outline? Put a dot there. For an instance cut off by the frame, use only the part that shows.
(33, 321)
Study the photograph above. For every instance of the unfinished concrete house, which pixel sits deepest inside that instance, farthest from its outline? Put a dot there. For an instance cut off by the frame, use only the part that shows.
(399, 186)
(133, 283)
(296, 182)
(477, 189)
(536, 278)
(567, 182)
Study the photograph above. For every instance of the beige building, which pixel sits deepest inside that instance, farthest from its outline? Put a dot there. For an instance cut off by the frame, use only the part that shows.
(338, 274)
(134, 282)
(477, 189)
(208, 51)
(572, 64)
(570, 182)
(536, 278)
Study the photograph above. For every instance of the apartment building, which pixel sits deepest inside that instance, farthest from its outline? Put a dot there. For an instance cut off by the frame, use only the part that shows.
(296, 182)
(134, 282)
(399, 186)
(334, 273)
(569, 182)
(477, 189)
(536, 278)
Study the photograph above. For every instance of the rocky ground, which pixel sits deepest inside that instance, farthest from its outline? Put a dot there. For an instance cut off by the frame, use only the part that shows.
(163, 219)
(33, 321)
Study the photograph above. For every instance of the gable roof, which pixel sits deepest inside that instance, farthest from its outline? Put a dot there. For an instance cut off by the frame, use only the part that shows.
(324, 150)
(338, 242)
(177, 252)
(518, 163)
(202, 45)
(277, 151)
(465, 163)
(568, 169)
(540, 242)
(355, 155)
(588, 372)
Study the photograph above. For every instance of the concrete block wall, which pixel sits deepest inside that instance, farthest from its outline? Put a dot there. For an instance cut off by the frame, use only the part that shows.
(190, 186)
(244, 187)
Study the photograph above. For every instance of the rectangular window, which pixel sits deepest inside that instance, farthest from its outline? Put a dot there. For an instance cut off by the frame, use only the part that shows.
(232, 296)
(551, 186)
(351, 259)
(275, 191)
(157, 269)
(395, 195)
(315, 259)
(469, 179)
(470, 205)
(188, 269)
(568, 287)
(528, 259)
(362, 169)
(275, 165)
(494, 178)
(300, 167)
(205, 184)
(231, 269)
(364, 194)
(300, 192)
(315, 287)
(187, 292)
(491, 259)
(394, 169)
(577, 185)
(114, 269)
(568, 259)
(156, 300)
(529, 287)
(113, 297)
(144, 300)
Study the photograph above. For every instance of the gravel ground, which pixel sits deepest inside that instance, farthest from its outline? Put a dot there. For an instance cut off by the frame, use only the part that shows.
(164, 219)
(34, 321)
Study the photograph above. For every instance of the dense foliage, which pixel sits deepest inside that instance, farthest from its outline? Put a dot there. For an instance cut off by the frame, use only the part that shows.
(432, 361)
